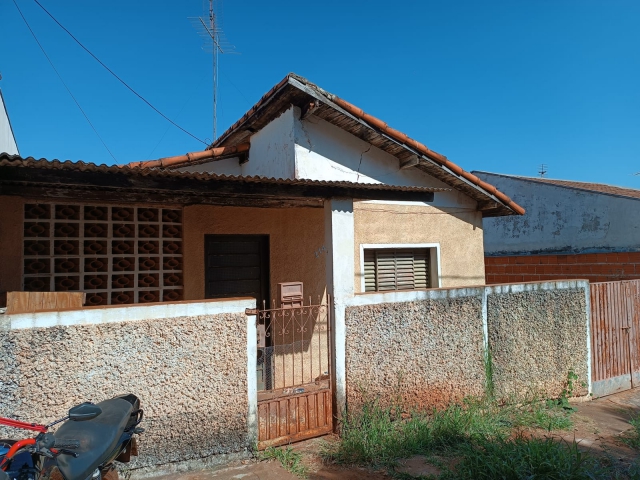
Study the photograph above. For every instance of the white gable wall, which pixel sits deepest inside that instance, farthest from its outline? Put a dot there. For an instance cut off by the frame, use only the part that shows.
(7, 140)
(271, 154)
(317, 150)
(326, 152)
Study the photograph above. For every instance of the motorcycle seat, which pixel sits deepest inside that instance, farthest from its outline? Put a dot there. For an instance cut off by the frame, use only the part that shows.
(98, 438)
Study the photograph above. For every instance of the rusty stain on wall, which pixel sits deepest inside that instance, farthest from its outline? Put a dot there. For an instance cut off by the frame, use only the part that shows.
(427, 353)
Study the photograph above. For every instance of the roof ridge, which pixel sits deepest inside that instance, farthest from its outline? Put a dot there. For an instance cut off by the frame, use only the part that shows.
(543, 179)
(382, 127)
(593, 187)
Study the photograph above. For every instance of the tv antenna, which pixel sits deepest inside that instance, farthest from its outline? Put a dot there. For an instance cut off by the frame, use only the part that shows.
(210, 29)
(543, 170)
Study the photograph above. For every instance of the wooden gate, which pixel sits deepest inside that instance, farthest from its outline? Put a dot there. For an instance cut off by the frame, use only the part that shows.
(615, 336)
(295, 393)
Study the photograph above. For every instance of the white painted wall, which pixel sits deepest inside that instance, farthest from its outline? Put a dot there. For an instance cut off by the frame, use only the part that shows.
(7, 140)
(339, 231)
(560, 220)
(317, 150)
(127, 313)
(271, 154)
(326, 152)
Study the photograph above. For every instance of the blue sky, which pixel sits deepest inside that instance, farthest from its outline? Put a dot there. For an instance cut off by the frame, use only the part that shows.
(500, 86)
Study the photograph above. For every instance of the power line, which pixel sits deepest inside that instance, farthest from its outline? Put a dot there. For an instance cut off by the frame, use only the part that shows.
(193, 94)
(117, 77)
(63, 82)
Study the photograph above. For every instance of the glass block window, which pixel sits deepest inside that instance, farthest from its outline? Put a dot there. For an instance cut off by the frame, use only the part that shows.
(388, 269)
(117, 255)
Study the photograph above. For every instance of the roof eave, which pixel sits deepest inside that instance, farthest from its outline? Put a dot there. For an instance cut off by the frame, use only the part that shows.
(15, 173)
(485, 193)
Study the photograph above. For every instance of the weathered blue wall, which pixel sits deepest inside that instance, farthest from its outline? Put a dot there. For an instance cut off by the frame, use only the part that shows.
(560, 220)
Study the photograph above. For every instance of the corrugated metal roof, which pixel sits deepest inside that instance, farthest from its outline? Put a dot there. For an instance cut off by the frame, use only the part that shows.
(7, 160)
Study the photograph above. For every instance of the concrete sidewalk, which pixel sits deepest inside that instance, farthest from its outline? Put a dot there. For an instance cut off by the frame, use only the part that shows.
(599, 423)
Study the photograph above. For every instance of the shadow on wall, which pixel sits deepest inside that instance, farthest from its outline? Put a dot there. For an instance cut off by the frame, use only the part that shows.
(473, 281)
(352, 158)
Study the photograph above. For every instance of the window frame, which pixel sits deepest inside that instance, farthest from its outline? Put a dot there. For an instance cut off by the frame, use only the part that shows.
(434, 259)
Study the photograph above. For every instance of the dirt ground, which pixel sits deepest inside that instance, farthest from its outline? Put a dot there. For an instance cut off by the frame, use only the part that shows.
(318, 470)
(598, 425)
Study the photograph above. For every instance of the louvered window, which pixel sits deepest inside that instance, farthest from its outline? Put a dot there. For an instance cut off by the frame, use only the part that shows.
(396, 269)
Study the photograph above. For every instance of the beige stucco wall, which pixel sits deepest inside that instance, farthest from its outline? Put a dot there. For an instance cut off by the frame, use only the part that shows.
(11, 211)
(457, 230)
(295, 236)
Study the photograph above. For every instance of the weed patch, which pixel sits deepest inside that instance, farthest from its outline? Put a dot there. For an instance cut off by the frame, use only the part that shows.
(379, 436)
(525, 458)
(288, 458)
(632, 437)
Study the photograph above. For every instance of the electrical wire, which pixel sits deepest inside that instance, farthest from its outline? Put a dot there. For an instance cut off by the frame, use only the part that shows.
(63, 82)
(193, 94)
(239, 91)
(117, 77)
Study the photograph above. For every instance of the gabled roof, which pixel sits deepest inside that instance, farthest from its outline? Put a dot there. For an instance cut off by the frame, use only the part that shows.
(296, 90)
(584, 186)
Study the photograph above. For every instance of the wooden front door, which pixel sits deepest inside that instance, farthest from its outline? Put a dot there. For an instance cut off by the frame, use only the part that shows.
(237, 266)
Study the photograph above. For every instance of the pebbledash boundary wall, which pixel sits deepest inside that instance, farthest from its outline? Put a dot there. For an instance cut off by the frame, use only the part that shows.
(192, 364)
(432, 347)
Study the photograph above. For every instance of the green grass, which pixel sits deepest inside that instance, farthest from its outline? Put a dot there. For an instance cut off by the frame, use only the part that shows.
(378, 436)
(525, 458)
(632, 437)
(289, 458)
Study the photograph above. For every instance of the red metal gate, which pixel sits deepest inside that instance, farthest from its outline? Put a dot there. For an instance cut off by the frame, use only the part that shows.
(295, 393)
(615, 336)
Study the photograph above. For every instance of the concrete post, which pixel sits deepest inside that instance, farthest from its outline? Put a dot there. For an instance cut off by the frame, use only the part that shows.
(252, 379)
(339, 240)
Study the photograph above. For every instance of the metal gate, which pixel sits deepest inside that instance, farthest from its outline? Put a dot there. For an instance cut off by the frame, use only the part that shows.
(615, 336)
(295, 393)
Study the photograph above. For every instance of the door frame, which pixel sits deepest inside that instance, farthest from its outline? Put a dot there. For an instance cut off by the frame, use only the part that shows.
(265, 266)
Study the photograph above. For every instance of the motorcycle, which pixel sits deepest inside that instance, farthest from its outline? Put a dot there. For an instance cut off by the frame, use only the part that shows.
(84, 447)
